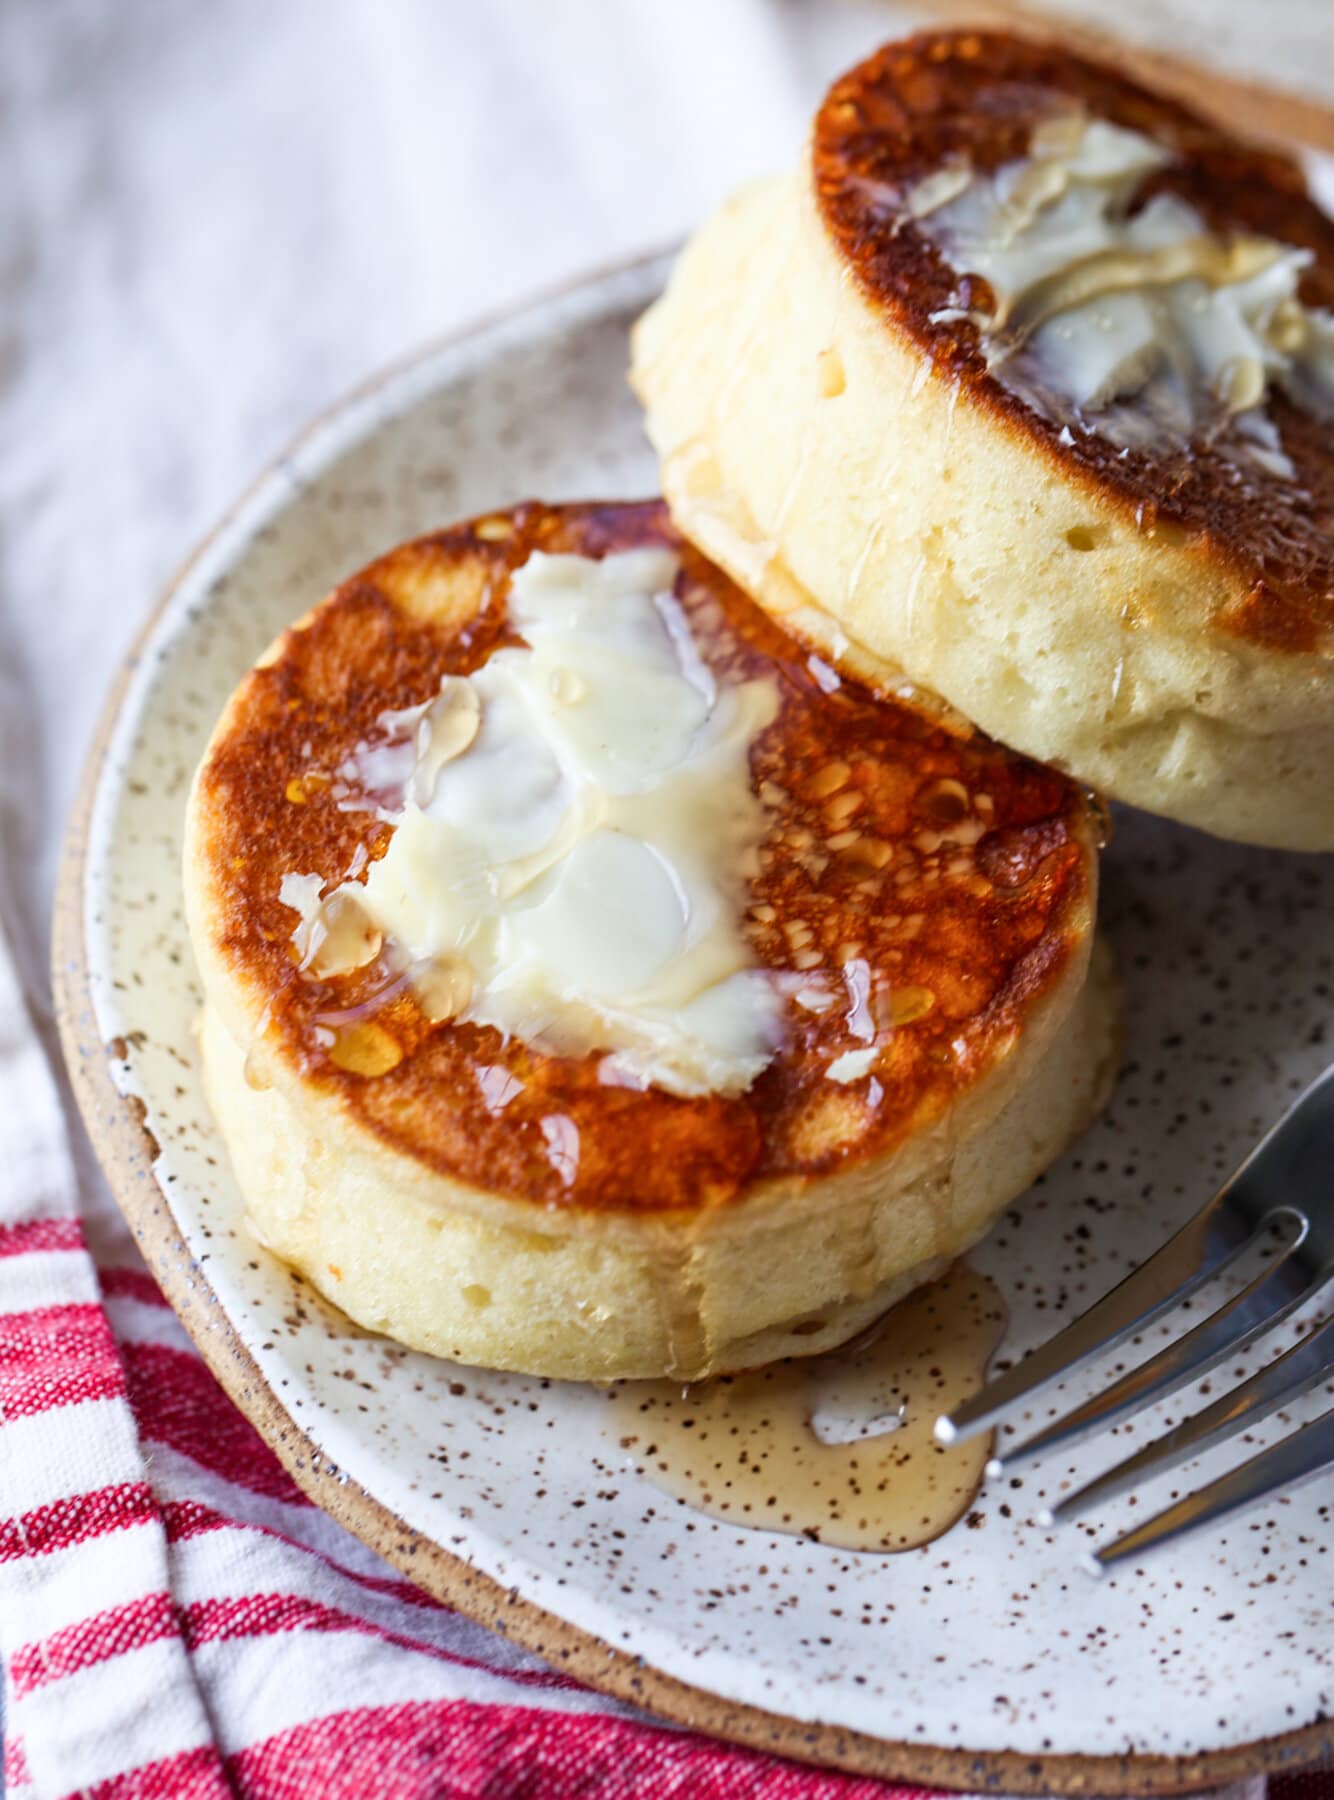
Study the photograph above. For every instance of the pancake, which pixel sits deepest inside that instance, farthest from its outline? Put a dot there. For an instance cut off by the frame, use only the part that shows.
(1023, 384)
(593, 1194)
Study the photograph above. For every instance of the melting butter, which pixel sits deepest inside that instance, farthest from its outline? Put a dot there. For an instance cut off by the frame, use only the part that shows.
(335, 934)
(574, 827)
(1148, 321)
(853, 1065)
(840, 1447)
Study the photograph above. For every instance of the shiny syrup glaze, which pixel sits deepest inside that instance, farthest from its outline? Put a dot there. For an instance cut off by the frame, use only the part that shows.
(960, 874)
(940, 96)
(745, 1448)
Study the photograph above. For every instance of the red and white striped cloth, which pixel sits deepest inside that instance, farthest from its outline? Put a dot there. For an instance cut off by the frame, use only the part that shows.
(176, 1619)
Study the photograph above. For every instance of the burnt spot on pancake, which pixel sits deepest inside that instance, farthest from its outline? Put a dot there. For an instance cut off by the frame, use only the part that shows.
(923, 888)
(918, 105)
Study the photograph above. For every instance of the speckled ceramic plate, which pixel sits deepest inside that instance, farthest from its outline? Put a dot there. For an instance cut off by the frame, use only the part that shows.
(986, 1660)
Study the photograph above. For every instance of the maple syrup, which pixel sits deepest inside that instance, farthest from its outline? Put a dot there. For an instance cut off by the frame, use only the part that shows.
(839, 1448)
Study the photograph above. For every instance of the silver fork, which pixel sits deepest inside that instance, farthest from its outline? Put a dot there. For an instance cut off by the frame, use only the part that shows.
(1284, 1189)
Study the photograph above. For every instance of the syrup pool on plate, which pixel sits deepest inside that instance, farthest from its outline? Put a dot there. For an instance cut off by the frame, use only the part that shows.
(839, 1447)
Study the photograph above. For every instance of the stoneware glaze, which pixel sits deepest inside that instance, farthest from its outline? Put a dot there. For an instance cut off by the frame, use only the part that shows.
(986, 1659)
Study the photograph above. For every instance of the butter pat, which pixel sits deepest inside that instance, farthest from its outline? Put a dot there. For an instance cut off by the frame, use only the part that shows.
(852, 1065)
(1147, 321)
(575, 823)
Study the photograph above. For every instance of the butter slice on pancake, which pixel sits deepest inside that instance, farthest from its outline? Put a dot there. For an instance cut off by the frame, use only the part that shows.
(597, 985)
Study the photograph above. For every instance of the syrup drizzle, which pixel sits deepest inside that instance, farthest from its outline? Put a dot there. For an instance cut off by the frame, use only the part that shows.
(838, 1448)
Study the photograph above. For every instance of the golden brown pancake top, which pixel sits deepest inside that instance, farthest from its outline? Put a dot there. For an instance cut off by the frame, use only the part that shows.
(960, 872)
(939, 96)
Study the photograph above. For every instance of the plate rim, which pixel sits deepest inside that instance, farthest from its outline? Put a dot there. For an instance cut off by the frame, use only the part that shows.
(127, 1151)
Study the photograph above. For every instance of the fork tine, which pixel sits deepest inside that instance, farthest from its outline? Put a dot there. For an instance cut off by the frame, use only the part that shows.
(1234, 1325)
(1289, 1156)
(1171, 1274)
(1286, 1465)
(1284, 1379)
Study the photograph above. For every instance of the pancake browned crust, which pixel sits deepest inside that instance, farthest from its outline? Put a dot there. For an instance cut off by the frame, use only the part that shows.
(963, 874)
(1159, 620)
(915, 105)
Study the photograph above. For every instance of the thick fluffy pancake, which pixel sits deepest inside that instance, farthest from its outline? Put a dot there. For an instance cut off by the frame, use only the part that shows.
(687, 1232)
(1158, 620)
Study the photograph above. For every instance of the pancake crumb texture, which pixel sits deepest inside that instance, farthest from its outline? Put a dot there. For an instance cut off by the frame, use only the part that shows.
(840, 432)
